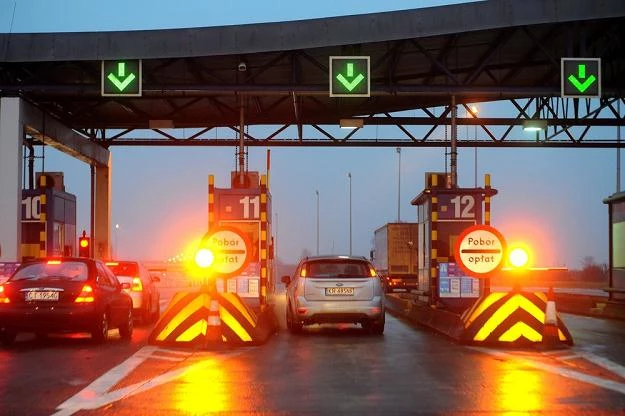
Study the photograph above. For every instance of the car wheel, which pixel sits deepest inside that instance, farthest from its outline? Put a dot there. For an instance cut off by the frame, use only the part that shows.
(100, 331)
(157, 312)
(376, 327)
(7, 337)
(294, 326)
(125, 329)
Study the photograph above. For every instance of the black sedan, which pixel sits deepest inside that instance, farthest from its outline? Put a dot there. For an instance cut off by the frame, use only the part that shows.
(64, 295)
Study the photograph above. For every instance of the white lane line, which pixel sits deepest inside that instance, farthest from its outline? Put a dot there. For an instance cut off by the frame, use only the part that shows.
(605, 363)
(97, 393)
(565, 372)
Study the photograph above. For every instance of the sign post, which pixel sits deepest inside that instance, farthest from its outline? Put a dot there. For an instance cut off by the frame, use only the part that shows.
(480, 250)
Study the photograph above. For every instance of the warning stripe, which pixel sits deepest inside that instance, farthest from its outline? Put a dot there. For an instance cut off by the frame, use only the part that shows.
(510, 317)
(486, 282)
(263, 240)
(180, 315)
(434, 244)
(238, 321)
(43, 234)
(211, 201)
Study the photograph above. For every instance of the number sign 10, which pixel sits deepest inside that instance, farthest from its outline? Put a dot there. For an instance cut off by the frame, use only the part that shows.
(32, 205)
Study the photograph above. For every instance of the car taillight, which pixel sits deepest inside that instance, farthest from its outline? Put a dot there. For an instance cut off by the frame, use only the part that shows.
(86, 295)
(3, 296)
(137, 286)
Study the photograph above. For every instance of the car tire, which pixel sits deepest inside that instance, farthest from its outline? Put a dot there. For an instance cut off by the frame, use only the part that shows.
(100, 331)
(7, 337)
(292, 325)
(126, 328)
(376, 327)
(157, 312)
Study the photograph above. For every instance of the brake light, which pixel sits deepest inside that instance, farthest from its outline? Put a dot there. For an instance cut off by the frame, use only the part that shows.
(302, 273)
(3, 296)
(137, 286)
(112, 263)
(372, 272)
(86, 295)
(54, 261)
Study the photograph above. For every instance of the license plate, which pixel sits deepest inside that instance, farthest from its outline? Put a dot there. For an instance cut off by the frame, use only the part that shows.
(45, 296)
(339, 291)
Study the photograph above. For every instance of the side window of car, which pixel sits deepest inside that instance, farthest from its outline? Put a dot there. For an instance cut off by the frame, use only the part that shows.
(103, 278)
(112, 278)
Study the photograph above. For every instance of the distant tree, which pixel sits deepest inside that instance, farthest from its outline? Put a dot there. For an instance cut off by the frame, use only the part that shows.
(592, 271)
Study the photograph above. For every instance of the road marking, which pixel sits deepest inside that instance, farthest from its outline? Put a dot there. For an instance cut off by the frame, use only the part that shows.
(565, 372)
(97, 394)
(605, 363)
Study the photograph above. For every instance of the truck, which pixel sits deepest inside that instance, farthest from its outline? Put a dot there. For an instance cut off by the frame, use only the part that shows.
(395, 255)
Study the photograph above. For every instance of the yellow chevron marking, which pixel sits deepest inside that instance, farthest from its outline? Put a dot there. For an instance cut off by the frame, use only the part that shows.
(211, 179)
(198, 328)
(434, 235)
(518, 330)
(200, 301)
(263, 216)
(561, 335)
(485, 304)
(233, 324)
(235, 301)
(263, 198)
(211, 198)
(42, 217)
(515, 302)
(434, 216)
(42, 198)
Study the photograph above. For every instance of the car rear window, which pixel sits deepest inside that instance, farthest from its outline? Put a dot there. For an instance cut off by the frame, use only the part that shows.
(128, 269)
(337, 268)
(64, 270)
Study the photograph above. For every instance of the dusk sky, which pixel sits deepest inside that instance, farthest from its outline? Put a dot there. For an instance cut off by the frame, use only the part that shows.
(548, 198)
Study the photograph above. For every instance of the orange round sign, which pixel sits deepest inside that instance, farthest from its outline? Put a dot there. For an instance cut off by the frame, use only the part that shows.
(480, 250)
(230, 248)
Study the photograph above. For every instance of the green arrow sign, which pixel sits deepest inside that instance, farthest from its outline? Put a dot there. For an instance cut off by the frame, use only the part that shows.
(581, 77)
(349, 76)
(121, 78)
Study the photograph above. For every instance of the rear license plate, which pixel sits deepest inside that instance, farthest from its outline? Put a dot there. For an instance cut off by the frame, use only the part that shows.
(45, 296)
(339, 291)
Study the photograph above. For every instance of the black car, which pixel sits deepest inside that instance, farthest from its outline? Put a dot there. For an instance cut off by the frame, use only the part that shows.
(64, 295)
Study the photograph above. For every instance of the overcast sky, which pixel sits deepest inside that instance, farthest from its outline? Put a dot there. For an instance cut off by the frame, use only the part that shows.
(551, 199)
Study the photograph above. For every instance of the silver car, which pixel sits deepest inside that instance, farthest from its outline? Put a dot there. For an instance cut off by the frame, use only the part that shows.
(335, 289)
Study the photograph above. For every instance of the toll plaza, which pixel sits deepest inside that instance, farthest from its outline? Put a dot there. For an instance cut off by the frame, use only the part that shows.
(458, 253)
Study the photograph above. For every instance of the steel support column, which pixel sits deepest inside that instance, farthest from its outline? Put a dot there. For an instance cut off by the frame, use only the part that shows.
(11, 156)
(101, 248)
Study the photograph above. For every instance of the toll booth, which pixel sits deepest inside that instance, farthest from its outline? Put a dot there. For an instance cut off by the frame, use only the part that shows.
(443, 213)
(48, 219)
(246, 206)
(616, 218)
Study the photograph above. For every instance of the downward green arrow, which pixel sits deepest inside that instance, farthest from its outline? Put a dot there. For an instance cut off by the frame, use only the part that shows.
(350, 85)
(581, 74)
(121, 73)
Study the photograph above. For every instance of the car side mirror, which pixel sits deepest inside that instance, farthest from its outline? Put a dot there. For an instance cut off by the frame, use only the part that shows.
(155, 278)
(286, 280)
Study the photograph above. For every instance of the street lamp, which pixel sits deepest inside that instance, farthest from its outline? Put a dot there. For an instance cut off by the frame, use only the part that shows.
(398, 184)
(116, 240)
(317, 192)
(349, 175)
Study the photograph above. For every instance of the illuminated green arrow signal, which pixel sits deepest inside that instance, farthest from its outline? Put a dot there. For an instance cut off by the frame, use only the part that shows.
(350, 85)
(581, 74)
(121, 81)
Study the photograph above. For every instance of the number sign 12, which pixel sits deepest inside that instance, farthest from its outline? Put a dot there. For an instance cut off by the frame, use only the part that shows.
(464, 206)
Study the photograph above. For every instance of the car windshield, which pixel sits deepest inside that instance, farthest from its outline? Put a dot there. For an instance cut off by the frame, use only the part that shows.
(127, 269)
(68, 270)
(337, 268)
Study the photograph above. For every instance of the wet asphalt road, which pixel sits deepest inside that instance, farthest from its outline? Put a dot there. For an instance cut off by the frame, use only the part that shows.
(328, 370)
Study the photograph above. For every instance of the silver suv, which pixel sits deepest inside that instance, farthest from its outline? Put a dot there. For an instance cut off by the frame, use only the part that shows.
(335, 289)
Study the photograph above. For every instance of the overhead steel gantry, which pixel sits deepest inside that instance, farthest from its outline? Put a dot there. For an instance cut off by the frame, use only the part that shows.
(501, 51)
